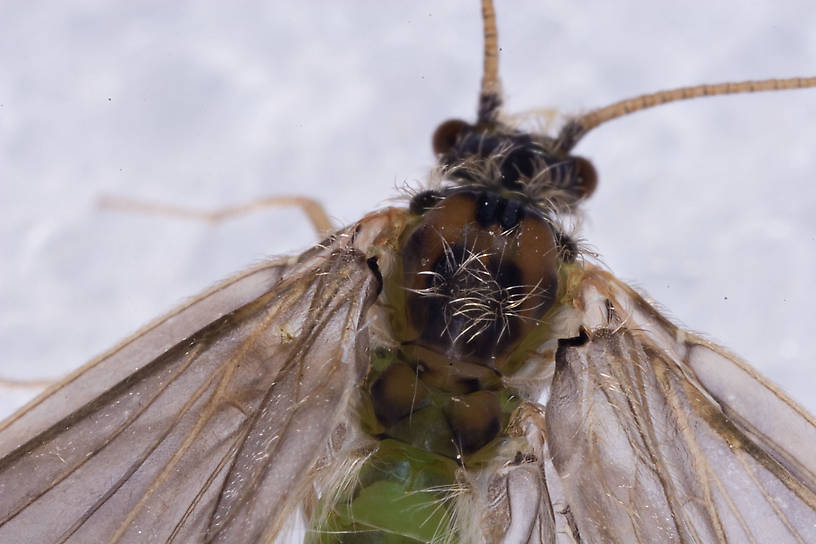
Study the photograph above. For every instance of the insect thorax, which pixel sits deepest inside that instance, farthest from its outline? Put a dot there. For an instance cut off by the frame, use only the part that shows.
(476, 279)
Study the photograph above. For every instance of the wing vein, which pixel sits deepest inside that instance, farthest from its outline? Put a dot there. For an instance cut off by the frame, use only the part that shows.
(93, 453)
(226, 372)
(325, 312)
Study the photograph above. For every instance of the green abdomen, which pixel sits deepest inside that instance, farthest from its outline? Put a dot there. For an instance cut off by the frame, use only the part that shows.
(406, 488)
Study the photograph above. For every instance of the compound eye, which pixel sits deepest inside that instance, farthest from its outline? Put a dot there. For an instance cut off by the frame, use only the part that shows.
(587, 178)
(446, 134)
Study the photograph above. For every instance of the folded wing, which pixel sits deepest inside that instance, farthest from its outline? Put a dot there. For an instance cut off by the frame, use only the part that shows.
(659, 436)
(204, 426)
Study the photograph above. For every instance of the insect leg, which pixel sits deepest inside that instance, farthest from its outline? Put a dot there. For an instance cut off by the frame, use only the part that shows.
(314, 210)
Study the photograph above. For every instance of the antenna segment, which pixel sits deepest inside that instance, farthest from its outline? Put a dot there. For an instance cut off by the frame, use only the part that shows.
(490, 100)
(578, 127)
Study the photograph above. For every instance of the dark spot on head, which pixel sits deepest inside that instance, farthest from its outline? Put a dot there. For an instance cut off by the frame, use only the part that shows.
(486, 206)
(424, 201)
(511, 214)
(521, 162)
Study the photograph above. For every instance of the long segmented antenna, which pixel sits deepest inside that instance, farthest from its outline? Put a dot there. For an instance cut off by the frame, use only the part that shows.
(578, 127)
(490, 100)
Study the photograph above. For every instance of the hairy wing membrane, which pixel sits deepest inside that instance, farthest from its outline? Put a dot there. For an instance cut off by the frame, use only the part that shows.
(659, 436)
(205, 425)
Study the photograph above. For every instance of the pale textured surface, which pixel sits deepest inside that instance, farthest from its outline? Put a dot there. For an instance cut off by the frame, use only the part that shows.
(706, 205)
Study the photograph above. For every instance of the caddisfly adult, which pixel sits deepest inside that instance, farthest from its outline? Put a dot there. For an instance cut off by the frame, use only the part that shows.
(456, 370)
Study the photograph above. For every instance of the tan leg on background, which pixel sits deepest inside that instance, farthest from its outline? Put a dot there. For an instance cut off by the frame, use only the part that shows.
(313, 210)
(26, 384)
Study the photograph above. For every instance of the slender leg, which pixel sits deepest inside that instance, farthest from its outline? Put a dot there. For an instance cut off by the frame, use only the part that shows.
(313, 210)
(25, 384)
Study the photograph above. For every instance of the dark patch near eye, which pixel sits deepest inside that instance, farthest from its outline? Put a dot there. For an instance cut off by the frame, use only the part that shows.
(486, 207)
(537, 167)
(492, 209)
(477, 143)
(372, 265)
(511, 214)
(424, 201)
(522, 158)
(521, 162)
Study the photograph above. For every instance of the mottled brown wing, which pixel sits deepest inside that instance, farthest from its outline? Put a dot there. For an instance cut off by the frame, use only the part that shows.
(204, 426)
(659, 436)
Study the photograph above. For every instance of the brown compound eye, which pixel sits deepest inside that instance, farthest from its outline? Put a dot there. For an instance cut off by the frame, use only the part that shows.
(446, 134)
(587, 177)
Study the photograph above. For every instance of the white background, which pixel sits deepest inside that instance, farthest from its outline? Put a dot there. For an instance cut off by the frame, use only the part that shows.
(707, 205)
